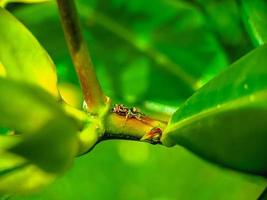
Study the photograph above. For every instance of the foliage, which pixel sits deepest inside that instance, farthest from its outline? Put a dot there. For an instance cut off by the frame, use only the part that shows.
(157, 62)
(31, 112)
(231, 100)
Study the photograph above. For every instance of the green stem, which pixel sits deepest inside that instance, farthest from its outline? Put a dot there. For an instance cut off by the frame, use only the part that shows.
(91, 88)
(114, 126)
(120, 127)
(156, 56)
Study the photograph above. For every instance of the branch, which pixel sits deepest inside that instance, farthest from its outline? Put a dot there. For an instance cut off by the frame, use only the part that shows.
(91, 88)
(127, 123)
(121, 123)
(144, 129)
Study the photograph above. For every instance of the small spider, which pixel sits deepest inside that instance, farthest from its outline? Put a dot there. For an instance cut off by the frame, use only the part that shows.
(120, 109)
(135, 113)
(129, 113)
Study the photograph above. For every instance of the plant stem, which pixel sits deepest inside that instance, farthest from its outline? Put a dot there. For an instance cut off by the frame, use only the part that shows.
(91, 88)
(119, 127)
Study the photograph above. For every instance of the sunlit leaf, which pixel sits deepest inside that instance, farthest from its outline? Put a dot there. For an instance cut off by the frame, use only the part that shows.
(2, 70)
(53, 147)
(48, 134)
(71, 94)
(3, 3)
(25, 108)
(255, 19)
(225, 121)
(18, 176)
(23, 57)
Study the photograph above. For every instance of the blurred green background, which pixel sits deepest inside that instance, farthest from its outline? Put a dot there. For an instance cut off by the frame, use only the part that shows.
(137, 47)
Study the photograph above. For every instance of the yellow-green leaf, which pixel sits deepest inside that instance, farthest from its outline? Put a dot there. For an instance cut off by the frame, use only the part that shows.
(3, 3)
(48, 135)
(2, 70)
(23, 57)
(25, 108)
(18, 176)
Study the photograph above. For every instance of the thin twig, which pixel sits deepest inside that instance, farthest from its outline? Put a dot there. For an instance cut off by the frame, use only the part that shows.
(91, 88)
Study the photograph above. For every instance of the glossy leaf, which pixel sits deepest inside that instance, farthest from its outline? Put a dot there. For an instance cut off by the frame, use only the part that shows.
(23, 57)
(48, 135)
(255, 19)
(225, 121)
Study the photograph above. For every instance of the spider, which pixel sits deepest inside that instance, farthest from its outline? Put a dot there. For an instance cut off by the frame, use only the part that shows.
(129, 113)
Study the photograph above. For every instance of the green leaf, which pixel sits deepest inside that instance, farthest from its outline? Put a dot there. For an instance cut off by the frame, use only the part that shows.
(17, 176)
(23, 57)
(175, 46)
(28, 178)
(263, 196)
(255, 19)
(53, 147)
(4, 131)
(25, 108)
(48, 135)
(3, 3)
(225, 121)
(226, 26)
(179, 37)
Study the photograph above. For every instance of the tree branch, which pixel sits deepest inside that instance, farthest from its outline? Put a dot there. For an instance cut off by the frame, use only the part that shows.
(91, 88)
